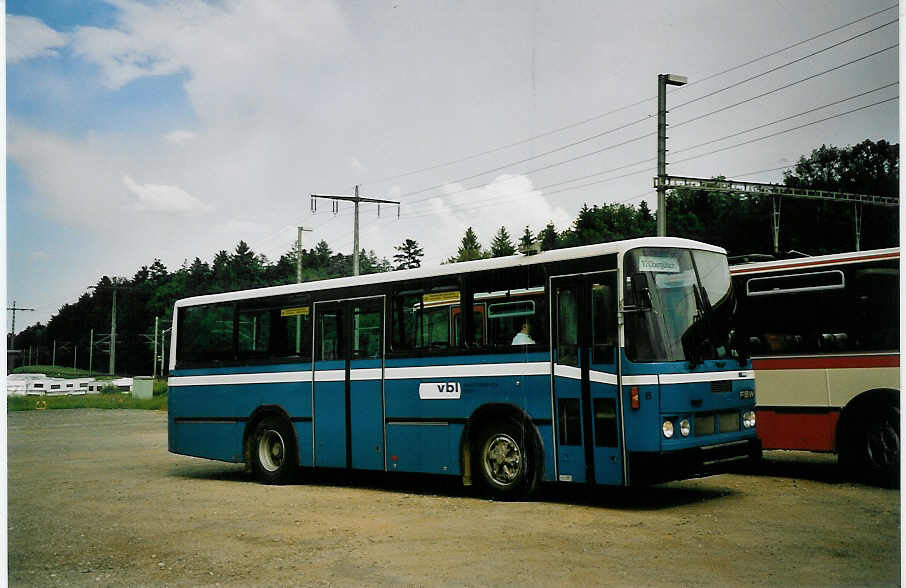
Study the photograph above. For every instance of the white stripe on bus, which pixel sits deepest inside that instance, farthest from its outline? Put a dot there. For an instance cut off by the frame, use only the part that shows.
(706, 377)
(536, 368)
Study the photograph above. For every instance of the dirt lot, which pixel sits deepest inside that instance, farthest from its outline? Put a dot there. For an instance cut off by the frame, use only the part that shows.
(95, 499)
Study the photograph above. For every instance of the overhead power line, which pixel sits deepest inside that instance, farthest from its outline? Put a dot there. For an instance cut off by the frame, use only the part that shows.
(633, 104)
(786, 118)
(494, 201)
(788, 47)
(784, 131)
(779, 67)
(638, 138)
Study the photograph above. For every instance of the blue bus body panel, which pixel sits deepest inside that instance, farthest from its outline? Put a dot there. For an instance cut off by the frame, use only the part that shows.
(366, 425)
(425, 435)
(686, 399)
(571, 457)
(209, 420)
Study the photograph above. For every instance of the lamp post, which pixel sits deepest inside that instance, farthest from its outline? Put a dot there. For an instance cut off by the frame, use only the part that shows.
(663, 80)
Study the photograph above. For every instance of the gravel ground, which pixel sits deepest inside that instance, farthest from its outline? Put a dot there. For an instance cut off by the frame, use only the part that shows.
(96, 499)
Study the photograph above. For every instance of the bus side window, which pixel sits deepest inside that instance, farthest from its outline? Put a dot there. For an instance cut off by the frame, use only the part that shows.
(510, 311)
(254, 332)
(294, 333)
(422, 319)
(205, 333)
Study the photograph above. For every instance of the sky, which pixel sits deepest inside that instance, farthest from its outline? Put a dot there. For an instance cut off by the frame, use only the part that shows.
(168, 130)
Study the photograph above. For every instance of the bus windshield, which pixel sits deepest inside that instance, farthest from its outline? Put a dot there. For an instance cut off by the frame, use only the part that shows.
(684, 305)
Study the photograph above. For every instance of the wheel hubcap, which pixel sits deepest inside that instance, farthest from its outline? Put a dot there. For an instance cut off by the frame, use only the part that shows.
(271, 450)
(502, 459)
(883, 446)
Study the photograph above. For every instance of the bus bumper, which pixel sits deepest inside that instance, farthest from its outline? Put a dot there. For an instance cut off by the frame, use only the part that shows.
(664, 466)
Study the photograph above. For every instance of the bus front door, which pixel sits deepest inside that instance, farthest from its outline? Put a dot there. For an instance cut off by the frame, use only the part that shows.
(589, 440)
(348, 384)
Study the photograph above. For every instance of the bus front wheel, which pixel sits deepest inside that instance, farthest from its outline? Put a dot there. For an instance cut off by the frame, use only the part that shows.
(502, 459)
(872, 449)
(272, 451)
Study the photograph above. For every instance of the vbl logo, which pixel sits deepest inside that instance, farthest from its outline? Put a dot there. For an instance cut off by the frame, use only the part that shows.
(448, 387)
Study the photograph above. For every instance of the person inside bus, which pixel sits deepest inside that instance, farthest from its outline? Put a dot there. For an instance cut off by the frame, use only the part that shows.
(524, 336)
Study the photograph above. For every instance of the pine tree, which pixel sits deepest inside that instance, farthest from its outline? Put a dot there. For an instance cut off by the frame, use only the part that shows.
(527, 240)
(469, 248)
(409, 255)
(548, 237)
(502, 245)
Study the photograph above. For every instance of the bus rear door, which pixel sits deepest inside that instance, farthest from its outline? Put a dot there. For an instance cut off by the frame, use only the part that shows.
(348, 384)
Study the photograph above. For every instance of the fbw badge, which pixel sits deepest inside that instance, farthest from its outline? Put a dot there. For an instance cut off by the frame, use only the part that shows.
(439, 391)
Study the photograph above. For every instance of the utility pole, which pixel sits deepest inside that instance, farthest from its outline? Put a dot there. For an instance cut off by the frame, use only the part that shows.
(113, 334)
(299, 253)
(90, 351)
(356, 199)
(154, 361)
(163, 348)
(12, 332)
(663, 80)
(114, 286)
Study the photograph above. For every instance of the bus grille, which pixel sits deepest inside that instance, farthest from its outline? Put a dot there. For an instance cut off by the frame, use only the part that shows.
(721, 387)
(709, 423)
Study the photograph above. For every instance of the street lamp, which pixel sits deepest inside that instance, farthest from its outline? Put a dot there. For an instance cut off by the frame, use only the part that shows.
(663, 80)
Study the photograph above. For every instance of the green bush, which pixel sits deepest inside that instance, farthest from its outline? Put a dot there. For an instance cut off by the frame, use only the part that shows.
(18, 403)
(160, 387)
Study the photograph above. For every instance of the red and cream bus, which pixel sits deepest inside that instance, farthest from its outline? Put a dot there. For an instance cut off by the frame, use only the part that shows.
(824, 337)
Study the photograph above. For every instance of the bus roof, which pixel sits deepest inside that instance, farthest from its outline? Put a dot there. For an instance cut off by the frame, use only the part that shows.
(453, 269)
(816, 261)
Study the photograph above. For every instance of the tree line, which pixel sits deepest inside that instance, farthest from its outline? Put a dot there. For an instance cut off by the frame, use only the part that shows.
(740, 224)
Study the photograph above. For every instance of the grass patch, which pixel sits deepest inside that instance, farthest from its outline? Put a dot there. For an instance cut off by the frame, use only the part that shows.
(56, 371)
(19, 403)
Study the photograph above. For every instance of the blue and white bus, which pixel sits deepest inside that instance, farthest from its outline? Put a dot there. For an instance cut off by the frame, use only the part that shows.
(609, 364)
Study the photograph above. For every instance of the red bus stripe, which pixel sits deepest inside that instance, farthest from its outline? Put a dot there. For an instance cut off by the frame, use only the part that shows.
(807, 263)
(806, 431)
(826, 362)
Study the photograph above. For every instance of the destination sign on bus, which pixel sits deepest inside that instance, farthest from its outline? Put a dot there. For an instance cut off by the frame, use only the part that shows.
(662, 264)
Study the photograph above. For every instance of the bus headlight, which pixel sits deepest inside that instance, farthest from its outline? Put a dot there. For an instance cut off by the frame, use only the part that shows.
(685, 428)
(667, 428)
(748, 419)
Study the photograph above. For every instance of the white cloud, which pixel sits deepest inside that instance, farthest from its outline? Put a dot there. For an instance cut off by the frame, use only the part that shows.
(39, 256)
(163, 198)
(438, 223)
(180, 137)
(356, 164)
(231, 42)
(27, 38)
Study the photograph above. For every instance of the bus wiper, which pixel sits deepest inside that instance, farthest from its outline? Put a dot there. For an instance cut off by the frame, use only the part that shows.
(702, 327)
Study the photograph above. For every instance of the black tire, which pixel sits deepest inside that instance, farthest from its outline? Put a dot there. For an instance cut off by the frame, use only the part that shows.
(872, 446)
(502, 459)
(272, 451)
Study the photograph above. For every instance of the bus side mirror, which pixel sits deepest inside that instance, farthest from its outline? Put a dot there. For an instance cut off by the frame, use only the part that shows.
(639, 298)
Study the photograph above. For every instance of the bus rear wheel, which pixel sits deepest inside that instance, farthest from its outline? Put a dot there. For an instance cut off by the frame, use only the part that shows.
(502, 459)
(272, 451)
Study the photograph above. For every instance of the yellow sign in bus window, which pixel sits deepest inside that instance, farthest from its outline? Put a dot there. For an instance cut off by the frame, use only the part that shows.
(302, 310)
(440, 297)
